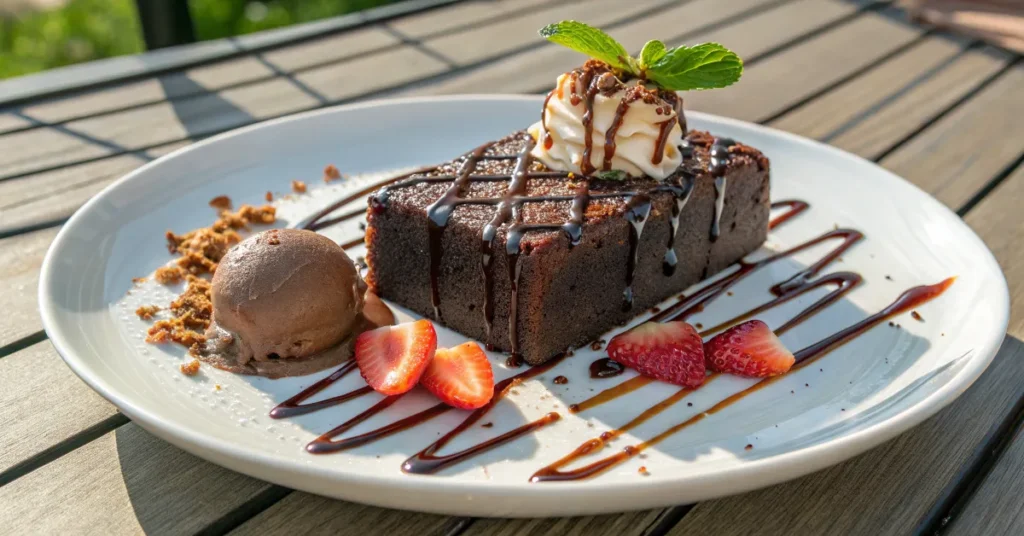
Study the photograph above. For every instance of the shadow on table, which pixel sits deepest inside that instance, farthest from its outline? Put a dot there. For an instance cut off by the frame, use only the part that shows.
(196, 113)
(161, 478)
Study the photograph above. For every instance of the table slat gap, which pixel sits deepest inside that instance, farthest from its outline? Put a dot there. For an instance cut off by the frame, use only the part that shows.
(994, 506)
(300, 68)
(244, 45)
(289, 108)
(984, 83)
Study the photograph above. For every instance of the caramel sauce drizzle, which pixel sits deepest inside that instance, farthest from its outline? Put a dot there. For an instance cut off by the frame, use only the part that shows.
(428, 461)
(906, 301)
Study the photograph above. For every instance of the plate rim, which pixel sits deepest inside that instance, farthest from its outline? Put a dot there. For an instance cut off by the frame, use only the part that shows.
(749, 475)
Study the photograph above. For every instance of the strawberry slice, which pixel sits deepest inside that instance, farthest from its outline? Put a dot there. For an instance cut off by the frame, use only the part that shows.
(748, 349)
(669, 351)
(392, 358)
(461, 377)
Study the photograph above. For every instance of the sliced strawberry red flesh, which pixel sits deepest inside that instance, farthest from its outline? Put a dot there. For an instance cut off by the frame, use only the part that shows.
(671, 351)
(393, 358)
(461, 376)
(748, 349)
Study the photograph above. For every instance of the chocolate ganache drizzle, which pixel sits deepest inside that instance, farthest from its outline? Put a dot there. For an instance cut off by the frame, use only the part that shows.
(429, 460)
(508, 211)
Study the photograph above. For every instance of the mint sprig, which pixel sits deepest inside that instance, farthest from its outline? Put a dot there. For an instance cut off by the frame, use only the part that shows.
(704, 66)
(588, 40)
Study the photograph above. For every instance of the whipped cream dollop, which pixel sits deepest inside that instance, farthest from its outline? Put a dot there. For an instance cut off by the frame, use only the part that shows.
(594, 122)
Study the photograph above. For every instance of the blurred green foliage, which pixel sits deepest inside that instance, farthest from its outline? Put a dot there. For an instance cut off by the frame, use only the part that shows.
(84, 30)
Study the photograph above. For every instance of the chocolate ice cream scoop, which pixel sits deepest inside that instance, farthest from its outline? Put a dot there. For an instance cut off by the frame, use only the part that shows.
(284, 301)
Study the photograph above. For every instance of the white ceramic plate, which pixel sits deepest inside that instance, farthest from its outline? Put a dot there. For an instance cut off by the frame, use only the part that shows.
(856, 397)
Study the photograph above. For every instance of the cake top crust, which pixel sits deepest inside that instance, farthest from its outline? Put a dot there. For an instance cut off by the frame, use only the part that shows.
(544, 199)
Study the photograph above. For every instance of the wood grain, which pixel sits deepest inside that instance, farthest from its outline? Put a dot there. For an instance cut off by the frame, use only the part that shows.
(34, 403)
(211, 112)
(288, 59)
(536, 70)
(51, 196)
(126, 482)
(629, 523)
(492, 40)
(20, 260)
(875, 111)
(461, 15)
(957, 155)
(997, 507)
(785, 79)
(303, 513)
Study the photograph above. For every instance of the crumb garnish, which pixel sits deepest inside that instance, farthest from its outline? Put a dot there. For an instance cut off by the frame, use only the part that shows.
(298, 187)
(169, 275)
(191, 368)
(269, 196)
(331, 173)
(221, 202)
(146, 312)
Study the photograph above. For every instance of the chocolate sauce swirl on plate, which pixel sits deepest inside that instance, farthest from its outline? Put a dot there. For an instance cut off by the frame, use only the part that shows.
(429, 460)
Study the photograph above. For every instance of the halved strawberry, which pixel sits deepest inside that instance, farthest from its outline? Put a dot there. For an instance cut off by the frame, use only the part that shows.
(748, 349)
(392, 358)
(669, 351)
(460, 376)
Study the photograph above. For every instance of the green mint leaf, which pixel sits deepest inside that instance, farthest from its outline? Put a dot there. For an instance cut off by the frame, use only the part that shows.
(705, 66)
(652, 52)
(611, 175)
(590, 41)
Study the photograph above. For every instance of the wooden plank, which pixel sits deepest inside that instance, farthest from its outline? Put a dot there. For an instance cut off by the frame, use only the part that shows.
(956, 156)
(34, 407)
(494, 39)
(213, 112)
(207, 78)
(996, 506)
(872, 113)
(237, 71)
(629, 523)
(784, 79)
(303, 513)
(9, 121)
(462, 15)
(170, 86)
(97, 73)
(126, 482)
(207, 113)
(403, 65)
(536, 70)
(35, 149)
(20, 259)
(332, 48)
(51, 196)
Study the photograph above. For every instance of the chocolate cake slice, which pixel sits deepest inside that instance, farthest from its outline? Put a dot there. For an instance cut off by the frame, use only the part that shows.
(532, 261)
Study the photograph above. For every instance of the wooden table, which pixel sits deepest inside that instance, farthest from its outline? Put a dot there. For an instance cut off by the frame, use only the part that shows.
(945, 112)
